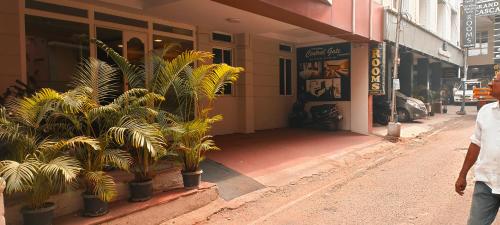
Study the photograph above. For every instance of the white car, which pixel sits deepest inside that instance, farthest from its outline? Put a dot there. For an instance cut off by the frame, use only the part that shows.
(458, 92)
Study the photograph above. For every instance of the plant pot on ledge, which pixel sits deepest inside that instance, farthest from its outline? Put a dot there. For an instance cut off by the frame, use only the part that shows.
(93, 206)
(191, 180)
(41, 216)
(141, 191)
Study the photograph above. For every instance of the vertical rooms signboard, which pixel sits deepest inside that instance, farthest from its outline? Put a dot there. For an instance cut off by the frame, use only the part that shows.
(376, 84)
(469, 23)
(324, 72)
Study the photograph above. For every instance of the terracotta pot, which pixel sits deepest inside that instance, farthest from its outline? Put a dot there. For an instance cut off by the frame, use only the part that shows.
(93, 206)
(141, 191)
(191, 180)
(42, 216)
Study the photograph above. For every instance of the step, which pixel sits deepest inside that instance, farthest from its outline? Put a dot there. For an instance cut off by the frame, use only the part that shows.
(163, 206)
(168, 177)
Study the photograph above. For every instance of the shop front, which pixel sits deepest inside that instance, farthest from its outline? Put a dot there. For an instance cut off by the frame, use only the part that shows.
(320, 54)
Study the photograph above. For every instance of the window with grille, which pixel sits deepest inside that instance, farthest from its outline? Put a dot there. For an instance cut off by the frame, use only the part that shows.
(285, 76)
(481, 46)
(224, 55)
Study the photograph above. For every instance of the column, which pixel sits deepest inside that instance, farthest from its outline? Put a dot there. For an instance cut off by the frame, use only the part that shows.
(244, 58)
(11, 34)
(359, 89)
(406, 73)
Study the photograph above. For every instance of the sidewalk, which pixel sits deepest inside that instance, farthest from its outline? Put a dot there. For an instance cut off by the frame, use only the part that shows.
(415, 128)
(282, 157)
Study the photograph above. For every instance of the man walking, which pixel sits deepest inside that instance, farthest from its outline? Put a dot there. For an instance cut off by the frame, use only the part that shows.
(484, 150)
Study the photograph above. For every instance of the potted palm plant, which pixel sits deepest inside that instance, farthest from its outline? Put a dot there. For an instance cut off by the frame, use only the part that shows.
(145, 143)
(196, 90)
(191, 91)
(87, 110)
(37, 164)
(138, 133)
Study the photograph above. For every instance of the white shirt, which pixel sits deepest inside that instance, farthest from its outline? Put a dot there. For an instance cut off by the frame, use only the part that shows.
(487, 136)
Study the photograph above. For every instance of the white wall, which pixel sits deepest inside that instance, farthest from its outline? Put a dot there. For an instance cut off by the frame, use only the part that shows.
(271, 109)
(256, 103)
(359, 89)
(228, 106)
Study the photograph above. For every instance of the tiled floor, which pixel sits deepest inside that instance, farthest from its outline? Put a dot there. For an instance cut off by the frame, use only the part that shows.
(266, 152)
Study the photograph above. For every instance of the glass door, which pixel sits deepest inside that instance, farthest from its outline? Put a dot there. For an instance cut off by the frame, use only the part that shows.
(135, 48)
(130, 44)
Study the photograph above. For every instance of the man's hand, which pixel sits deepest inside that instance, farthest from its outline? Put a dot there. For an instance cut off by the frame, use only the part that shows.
(460, 185)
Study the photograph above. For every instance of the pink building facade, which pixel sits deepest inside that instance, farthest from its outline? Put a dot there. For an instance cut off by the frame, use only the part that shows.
(43, 40)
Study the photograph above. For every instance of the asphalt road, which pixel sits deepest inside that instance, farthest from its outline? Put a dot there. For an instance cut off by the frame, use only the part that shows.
(411, 184)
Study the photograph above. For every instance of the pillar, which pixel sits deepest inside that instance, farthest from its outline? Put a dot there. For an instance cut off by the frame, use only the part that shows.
(360, 104)
(436, 74)
(11, 34)
(244, 58)
(422, 79)
(406, 73)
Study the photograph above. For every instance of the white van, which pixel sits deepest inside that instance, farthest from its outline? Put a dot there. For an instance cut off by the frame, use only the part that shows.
(469, 86)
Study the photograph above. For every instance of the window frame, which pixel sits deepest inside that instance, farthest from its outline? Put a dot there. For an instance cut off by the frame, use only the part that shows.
(93, 24)
(222, 33)
(231, 50)
(481, 46)
(285, 89)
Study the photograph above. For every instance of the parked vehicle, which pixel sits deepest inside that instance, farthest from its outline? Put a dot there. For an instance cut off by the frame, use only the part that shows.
(458, 92)
(325, 116)
(408, 109)
(483, 97)
(381, 110)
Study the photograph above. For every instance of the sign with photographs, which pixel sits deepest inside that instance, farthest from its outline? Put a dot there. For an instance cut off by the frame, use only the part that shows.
(376, 83)
(324, 72)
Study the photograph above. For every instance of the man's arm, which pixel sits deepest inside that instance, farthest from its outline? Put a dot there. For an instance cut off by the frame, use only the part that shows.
(469, 161)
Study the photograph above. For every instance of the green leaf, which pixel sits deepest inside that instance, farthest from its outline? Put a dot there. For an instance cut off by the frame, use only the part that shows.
(19, 176)
(103, 185)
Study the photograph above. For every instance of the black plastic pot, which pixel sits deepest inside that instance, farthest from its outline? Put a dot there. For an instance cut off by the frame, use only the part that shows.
(141, 191)
(93, 206)
(42, 216)
(191, 180)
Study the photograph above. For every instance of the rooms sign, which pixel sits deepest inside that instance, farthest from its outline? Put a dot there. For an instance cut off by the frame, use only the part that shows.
(470, 10)
(376, 84)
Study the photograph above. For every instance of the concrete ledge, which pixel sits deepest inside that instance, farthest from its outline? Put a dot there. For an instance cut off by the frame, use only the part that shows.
(168, 177)
(163, 206)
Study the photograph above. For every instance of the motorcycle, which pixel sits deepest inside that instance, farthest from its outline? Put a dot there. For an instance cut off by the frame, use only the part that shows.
(325, 116)
(381, 110)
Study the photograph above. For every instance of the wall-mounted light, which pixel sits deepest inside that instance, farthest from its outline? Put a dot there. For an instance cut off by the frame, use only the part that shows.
(120, 46)
(158, 40)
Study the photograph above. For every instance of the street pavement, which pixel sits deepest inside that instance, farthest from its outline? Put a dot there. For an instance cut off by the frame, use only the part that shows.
(412, 183)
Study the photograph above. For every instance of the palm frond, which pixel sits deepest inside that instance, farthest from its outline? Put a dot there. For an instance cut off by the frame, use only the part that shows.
(30, 111)
(214, 82)
(166, 76)
(138, 134)
(18, 175)
(103, 185)
(98, 76)
(73, 143)
(118, 158)
(134, 74)
(64, 166)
